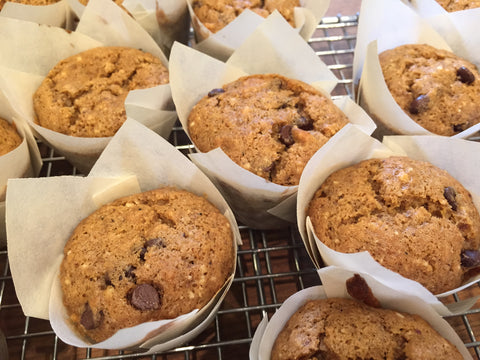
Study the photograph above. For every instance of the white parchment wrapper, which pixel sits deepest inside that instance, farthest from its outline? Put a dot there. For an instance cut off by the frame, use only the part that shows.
(333, 280)
(386, 25)
(135, 160)
(458, 28)
(31, 50)
(224, 42)
(457, 156)
(275, 47)
(53, 14)
(165, 20)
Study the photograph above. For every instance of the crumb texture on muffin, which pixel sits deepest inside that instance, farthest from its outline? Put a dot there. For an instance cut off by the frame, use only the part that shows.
(436, 88)
(84, 95)
(344, 329)
(216, 14)
(457, 5)
(9, 137)
(268, 124)
(411, 216)
(150, 256)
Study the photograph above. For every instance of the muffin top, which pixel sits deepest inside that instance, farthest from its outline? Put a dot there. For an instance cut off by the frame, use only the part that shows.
(436, 88)
(9, 137)
(268, 124)
(457, 5)
(341, 329)
(411, 216)
(84, 95)
(145, 257)
(216, 14)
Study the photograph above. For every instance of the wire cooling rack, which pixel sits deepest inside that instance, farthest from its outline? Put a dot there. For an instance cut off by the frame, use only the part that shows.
(271, 265)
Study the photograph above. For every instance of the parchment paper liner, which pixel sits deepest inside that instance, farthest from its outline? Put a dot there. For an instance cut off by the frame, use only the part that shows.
(385, 25)
(136, 159)
(224, 42)
(458, 28)
(274, 47)
(457, 156)
(165, 20)
(31, 50)
(333, 280)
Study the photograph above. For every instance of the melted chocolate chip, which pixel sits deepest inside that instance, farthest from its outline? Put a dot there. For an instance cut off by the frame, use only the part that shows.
(465, 75)
(214, 92)
(87, 320)
(459, 127)
(450, 194)
(286, 137)
(130, 272)
(419, 104)
(470, 258)
(358, 288)
(304, 123)
(145, 297)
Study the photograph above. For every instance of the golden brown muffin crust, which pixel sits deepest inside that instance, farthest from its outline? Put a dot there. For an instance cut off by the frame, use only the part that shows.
(412, 217)
(268, 124)
(84, 95)
(9, 137)
(456, 5)
(150, 256)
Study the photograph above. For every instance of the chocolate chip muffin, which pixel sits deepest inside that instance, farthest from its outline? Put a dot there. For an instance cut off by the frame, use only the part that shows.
(457, 5)
(338, 328)
(411, 216)
(145, 257)
(268, 124)
(84, 95)
(436, 88)
(216, 14)
(9, 137)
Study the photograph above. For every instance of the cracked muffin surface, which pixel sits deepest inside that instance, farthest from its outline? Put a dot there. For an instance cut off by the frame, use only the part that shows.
(9, 137)
(84, 95)
(145, 257)
(434, 87)
(216, 14)
(337, 329)
(268, 124)
(411, 216)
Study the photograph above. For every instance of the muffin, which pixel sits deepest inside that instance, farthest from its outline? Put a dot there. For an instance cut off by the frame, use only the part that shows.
(83, 95)
(215, 14)
(457, 5)
(341, 328)
(29, 2)
(437, 89)
(145, 257)
(412, 217)
(9, 137)
(268, 124)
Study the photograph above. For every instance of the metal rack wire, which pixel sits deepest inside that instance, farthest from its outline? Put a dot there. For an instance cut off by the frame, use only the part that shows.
(271, 265)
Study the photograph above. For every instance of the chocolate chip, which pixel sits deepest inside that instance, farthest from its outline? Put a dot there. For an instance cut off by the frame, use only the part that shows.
(459, 127)
(145, 297)
(470, 258)
(286, 137)
(129, 272)
(88, 319)
(419, 104)
(304, 123)
(465, 75)
(215, 92)
(358, 289)
(450, 194)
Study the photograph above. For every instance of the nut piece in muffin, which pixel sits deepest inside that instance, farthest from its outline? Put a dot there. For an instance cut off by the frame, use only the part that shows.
(457, 5)
(436, 88)
(342, 329)
(84, 95)
(216, 14)
(9, 137)
(145, 257)
(411, 216)
(268, 124)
